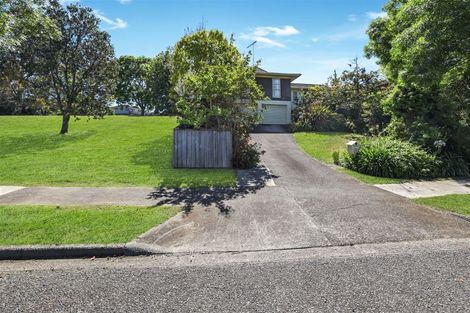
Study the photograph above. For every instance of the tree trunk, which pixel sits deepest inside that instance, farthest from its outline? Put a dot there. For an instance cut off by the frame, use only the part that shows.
(65, 124)
(142, 111)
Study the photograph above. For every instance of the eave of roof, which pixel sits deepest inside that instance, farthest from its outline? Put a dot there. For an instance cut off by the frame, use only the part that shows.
(263, 73)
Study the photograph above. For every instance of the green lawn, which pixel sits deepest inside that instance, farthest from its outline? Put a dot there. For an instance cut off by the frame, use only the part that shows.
(321, 145)
(115, 151)
(454, 203)
(20, 225)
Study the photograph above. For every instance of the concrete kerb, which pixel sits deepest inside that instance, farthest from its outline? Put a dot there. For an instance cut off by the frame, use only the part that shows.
(70, 251)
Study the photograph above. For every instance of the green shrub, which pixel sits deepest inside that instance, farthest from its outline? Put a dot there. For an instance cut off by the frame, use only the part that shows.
(336, 157)
(316, 117)
(453, 166)
(386, 157)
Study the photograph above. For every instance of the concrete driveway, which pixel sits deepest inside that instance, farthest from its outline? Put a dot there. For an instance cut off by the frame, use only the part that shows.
(311, 205)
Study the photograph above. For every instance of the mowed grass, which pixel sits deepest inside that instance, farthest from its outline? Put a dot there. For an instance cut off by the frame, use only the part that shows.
(21, 225)
(455, 203)
(321, 145)
(114, 151)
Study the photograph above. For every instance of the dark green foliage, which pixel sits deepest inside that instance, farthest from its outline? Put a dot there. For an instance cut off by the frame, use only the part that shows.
(386, 157)
(145, 83)
(24, 26)
(336, 157)
(453, 166)
(133, 82)
(316, 117)
(423, 47)
(351, 101)
(160, 83)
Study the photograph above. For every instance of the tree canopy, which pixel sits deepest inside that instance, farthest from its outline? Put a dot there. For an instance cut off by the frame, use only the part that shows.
(69, 71)
(145, 82)
(214, 86)
(133, 82)
(423, 47)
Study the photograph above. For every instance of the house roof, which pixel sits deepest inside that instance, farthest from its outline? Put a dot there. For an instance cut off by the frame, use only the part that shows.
(302, 86)
(263, 73)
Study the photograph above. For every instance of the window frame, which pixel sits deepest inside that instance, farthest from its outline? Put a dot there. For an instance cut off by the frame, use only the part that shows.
(273, 95)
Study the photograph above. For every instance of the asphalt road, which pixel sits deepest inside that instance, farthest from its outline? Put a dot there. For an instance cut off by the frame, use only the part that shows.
(425, 276)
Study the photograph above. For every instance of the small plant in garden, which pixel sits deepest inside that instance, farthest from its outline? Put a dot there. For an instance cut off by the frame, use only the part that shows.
(214, 87)
(336, 158)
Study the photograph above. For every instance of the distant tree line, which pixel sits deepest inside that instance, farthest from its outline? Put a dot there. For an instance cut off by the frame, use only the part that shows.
(54, 59)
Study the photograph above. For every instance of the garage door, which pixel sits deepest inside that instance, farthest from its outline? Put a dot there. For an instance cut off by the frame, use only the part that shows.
(274, 114)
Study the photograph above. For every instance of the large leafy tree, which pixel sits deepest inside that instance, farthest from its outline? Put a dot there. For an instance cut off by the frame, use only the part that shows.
(423, 47)
(69, 71)
(214, 87)
(78, 69)
(133, 82)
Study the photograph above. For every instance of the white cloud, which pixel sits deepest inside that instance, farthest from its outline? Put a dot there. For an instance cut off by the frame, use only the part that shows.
(125, 1)
(352, 17)
(113, 24)
(264, 34)
(269, 42)
(315, 39)
(374, 15)
(287, 30)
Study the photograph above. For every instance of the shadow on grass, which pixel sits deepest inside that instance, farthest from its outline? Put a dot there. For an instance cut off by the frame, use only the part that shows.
(158, 156)
(248, 182)
(38, 142)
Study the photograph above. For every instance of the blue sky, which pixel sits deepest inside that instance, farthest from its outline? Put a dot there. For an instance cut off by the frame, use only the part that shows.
(310, 37)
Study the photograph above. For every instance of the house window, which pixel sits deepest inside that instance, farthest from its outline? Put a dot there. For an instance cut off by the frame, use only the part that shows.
(295, 96)
(276, 88)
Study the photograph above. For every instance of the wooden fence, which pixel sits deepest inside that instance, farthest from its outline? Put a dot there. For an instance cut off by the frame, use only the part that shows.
(202, 148)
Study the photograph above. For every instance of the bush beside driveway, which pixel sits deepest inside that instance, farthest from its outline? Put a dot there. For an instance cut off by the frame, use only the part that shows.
(321, 145)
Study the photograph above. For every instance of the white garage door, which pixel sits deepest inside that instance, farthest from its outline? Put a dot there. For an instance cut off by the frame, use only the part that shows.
(274, 114)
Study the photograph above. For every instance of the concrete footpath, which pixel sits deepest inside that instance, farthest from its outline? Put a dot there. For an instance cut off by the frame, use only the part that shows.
(431, 188)
(138, 196)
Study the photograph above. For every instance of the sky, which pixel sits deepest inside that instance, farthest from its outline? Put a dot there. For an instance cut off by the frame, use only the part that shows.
(313, 37)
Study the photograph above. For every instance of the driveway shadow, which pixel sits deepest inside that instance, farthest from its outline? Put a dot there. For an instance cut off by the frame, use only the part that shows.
(248, 182)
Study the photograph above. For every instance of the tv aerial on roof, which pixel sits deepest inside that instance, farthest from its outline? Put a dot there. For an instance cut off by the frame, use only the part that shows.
(252, 46)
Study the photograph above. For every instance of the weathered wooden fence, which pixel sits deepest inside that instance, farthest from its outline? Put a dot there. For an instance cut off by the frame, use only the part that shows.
(202, 148)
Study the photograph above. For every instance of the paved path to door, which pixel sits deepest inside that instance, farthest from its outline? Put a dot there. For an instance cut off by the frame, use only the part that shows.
(305, 204)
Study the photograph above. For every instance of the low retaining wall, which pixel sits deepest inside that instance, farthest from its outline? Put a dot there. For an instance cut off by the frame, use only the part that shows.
(202, 148)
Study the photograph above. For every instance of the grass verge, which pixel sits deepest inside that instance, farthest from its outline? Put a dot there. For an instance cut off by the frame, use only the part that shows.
(321, 145)
(114, 151)
(454, 203)
(30, 225)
